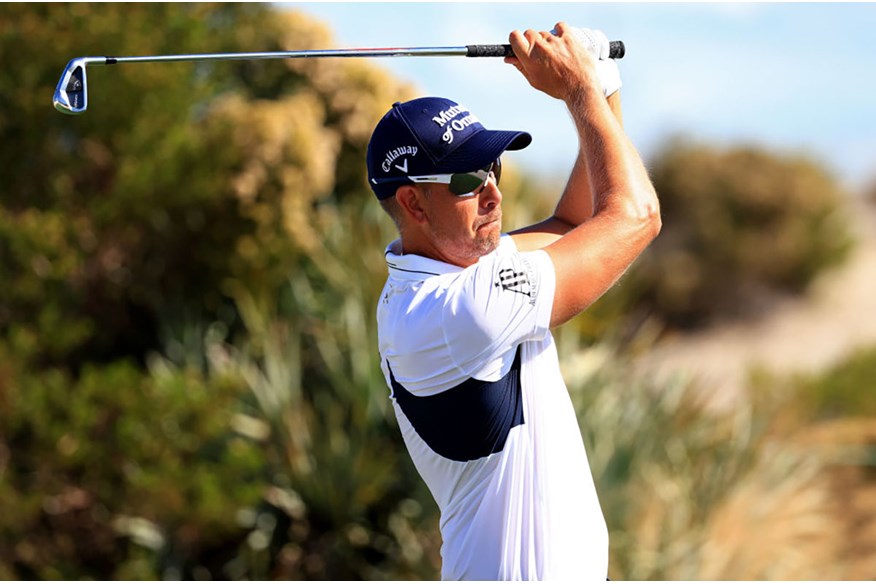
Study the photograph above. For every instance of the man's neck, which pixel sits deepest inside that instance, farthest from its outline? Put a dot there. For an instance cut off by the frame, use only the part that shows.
(427, 249)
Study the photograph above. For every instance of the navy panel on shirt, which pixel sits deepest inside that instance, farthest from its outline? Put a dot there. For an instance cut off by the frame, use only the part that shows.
(469, 421)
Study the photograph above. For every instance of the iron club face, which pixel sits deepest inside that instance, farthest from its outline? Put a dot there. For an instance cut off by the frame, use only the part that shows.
(71, 94)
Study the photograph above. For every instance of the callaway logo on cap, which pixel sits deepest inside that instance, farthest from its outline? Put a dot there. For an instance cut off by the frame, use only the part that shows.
(432, 135)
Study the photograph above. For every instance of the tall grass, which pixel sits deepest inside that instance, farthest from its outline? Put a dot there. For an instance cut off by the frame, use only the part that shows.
(691, 493)
(688, 492)
(341, 499)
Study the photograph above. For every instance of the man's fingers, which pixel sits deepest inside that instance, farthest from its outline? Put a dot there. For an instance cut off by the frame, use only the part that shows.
(519, 43)
(531, 34)
(561, 28)
(538, 38)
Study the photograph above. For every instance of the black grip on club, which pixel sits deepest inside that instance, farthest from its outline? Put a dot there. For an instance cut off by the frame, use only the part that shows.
(616, 50)
(489, 51)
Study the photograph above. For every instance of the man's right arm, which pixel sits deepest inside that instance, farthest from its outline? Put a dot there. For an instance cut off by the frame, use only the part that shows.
(590, 256)
(575, 206)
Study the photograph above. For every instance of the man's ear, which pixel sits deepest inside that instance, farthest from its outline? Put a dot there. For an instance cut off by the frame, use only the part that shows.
(410, 199)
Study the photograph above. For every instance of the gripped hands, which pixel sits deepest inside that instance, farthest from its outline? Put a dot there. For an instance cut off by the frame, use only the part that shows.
(556, 64)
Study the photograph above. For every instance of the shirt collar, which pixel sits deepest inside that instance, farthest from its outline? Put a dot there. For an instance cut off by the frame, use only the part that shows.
(414, 267)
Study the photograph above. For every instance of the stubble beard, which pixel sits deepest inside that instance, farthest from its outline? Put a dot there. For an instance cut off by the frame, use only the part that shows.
(488, 242)
(485, 240)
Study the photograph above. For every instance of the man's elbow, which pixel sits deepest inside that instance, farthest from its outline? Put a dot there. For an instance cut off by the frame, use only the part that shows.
(643, 212)
(653, 219)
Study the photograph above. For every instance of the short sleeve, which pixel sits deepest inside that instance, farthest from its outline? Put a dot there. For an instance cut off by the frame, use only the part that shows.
(503, 300)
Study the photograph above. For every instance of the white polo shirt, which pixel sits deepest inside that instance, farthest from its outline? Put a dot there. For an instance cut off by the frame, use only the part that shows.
(486, 416)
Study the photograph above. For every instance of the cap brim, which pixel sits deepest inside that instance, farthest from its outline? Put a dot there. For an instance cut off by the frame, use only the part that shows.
(482, 148)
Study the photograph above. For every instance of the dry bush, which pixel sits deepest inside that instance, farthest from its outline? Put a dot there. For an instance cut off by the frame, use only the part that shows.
(693, 493)
(740, 226)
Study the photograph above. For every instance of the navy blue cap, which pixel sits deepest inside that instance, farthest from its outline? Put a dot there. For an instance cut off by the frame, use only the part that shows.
(432, 135)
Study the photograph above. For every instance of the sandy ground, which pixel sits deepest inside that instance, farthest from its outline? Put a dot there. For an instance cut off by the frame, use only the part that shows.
(800, 335)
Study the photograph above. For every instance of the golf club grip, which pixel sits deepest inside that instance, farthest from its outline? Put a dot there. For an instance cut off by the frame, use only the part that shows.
(616, 50)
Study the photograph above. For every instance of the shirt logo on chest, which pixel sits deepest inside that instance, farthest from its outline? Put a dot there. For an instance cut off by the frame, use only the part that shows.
(514, 281)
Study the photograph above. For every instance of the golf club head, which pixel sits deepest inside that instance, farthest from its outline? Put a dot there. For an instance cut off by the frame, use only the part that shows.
(71, 95)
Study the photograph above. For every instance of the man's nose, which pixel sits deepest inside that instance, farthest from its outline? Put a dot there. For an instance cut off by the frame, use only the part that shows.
(490, 195)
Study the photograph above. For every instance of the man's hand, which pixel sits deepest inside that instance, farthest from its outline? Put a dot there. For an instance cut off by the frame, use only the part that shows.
(556, 64)
(598, 46)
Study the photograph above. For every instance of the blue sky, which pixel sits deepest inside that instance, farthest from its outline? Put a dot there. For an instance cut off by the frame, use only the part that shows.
(791, 77)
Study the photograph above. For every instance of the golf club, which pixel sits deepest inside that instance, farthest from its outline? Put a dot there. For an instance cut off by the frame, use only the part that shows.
(71, 94)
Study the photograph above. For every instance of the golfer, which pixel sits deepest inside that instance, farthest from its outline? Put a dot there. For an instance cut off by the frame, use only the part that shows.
(465, 317)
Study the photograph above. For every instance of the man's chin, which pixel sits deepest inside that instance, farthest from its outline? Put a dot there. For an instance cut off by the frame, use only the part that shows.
(489, 238)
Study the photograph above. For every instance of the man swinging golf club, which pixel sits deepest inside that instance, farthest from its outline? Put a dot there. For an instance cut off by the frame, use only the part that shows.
(464, 319)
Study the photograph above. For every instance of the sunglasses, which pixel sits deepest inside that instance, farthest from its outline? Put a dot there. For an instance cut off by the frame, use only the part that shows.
(464, 184)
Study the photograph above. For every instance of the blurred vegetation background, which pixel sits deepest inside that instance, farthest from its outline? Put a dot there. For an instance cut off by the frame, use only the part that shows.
(189, 385)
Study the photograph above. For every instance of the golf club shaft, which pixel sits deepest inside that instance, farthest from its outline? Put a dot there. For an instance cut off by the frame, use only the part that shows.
(71, 93)
(617, 51)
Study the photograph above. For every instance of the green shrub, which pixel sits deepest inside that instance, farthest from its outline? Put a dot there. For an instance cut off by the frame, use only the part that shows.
(105, 471)
(181, 180)
(847, 389)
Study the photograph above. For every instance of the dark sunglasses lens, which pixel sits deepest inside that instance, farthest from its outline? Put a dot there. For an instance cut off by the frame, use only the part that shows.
(462, 184)
(465, 183)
